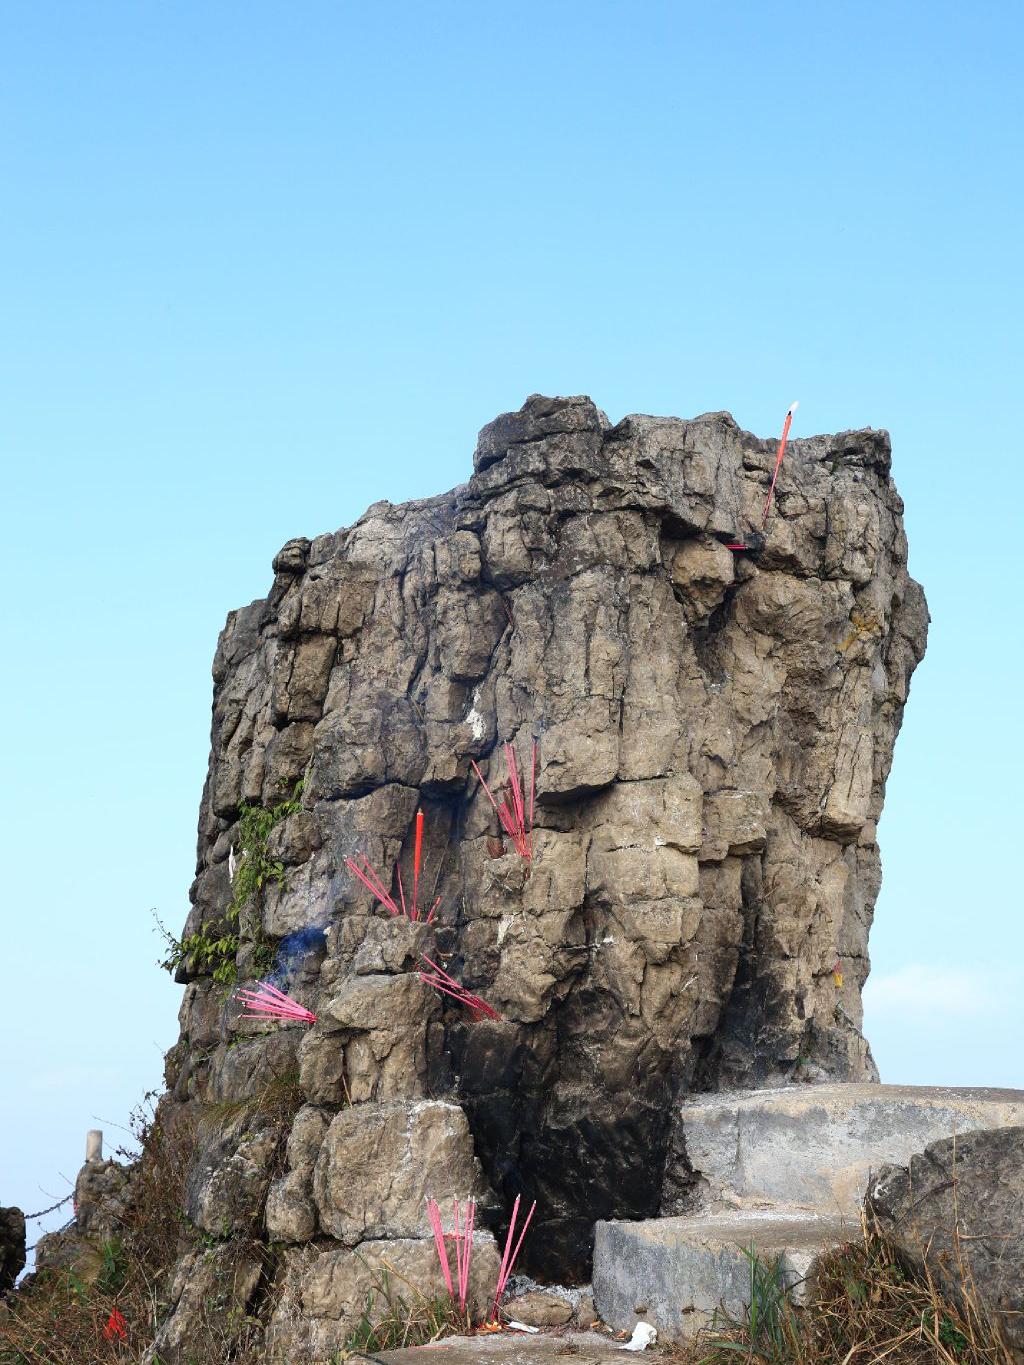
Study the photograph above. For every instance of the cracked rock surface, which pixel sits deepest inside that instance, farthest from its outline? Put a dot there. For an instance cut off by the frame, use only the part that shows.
(715, 730)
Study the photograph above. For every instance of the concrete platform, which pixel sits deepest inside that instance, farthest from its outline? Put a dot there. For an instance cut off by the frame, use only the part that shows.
(676, 1272)
(813, 1146)
(587, 1348)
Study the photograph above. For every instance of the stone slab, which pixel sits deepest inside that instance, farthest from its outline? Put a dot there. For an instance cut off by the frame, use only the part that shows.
(814, 1146)
(508, 1348)
(676, 1272)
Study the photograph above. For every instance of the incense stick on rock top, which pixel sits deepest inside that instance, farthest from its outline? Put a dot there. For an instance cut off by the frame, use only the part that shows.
(778, 462)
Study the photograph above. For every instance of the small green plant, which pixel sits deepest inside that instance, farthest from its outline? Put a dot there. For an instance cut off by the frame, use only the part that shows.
(255, 866)
(214, 952)
(114, 1268)
(264, 955)
(769, 1331)
(390, 1320)
(948, 1332)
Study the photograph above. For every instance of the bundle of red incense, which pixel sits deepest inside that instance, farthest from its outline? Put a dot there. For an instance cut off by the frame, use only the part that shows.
(516, 819)
(267, 1001)
(379, 891)
(447, 985)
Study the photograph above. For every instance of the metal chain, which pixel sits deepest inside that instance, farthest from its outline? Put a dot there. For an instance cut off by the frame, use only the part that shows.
(68, 1224)
(31, 1217)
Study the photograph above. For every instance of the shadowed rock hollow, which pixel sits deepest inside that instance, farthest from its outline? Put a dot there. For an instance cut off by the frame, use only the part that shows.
(715, 730)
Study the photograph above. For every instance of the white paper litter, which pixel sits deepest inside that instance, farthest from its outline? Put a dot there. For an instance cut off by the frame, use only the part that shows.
(521, 1327)
(644, 1335)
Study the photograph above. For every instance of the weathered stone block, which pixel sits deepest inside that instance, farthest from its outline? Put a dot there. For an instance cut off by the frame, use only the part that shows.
(676, 1273)
(815, 1145)
(380, 1162)
(956, 1211)
(322, 1296)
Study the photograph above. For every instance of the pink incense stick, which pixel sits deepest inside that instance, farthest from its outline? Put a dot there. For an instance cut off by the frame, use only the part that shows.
(267, 1000)
(463, 1238)
(507, 1261)
(512, 812)
(467, 1254)
(464, 1249)
(434, 1215)
(447, 985)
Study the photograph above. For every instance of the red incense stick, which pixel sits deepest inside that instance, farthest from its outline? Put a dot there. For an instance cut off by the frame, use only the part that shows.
(416, 859)
(375, 885)
(778, 462)
(447, 985)
(512, 811)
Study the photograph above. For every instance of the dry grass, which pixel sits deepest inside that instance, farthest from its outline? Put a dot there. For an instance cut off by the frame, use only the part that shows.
(397, 1314)
(60, 1316)
(866, 1308)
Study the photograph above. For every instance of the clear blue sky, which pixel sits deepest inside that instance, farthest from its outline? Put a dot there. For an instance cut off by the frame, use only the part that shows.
(265, 264)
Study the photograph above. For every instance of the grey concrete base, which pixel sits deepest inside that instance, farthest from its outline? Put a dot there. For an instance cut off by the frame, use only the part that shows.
(587, 1348)
(783, 1171)
(676, 1272)
(814, 1146)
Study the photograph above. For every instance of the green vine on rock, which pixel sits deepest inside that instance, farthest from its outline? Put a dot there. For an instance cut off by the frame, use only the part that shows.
(215, 953)
(255, 867)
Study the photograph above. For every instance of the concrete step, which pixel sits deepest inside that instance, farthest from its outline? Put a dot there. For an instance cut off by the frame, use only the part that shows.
(676, 1272)
(813, 1146)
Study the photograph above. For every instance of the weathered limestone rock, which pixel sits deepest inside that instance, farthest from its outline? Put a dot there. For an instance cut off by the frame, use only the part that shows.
(323, 1294)
(208, 1298)
(379, 1163)
(538, 1309)
(958, 1209)
(12, 1246)
(715, 731)
(379, 1030)
(231, 1171)
(102, 1191)
(291, 1212)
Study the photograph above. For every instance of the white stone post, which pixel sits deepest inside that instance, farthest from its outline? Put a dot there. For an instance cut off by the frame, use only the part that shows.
(94, 1145)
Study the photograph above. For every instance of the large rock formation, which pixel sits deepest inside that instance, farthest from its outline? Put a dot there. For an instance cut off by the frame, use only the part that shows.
(715, 729)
